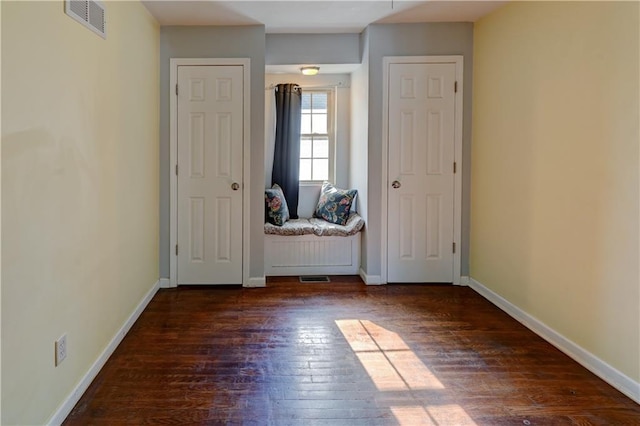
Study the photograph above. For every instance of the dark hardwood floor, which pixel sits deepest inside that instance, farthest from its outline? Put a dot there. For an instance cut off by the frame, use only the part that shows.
(341, 353)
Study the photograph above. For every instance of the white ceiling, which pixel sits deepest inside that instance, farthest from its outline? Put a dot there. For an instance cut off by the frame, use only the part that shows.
(306, 16)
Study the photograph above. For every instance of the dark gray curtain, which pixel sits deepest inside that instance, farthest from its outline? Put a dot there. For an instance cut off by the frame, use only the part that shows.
(286, 157)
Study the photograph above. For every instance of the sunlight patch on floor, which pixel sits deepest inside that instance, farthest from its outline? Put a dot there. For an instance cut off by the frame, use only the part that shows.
(412, 416)
(393, 366)
(451, 414)
(442, 415)
(385, 339)
(385, 377)
(389, 361)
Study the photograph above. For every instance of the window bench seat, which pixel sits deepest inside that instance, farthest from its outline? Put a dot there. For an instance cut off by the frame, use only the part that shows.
(313, 247)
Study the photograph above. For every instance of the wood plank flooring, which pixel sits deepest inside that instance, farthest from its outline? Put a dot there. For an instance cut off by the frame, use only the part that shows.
(341, 353)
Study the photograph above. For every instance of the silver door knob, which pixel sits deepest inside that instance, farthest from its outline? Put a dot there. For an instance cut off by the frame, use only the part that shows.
(235, 186)
(396, 184)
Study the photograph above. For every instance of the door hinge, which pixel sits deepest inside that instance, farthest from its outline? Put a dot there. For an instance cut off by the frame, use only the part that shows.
(454, 167)
(176, 249)
(176, 170)
(455, 88)
(176, 90)
(454, 247)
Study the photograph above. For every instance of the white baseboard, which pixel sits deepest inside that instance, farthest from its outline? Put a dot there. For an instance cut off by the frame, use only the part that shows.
(371, 279)
(465, 280)
(72, 399)
(600, 368)
(165, 283)
(254, 282)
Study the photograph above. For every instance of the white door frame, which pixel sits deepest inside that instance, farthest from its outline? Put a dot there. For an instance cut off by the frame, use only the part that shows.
(457, 196)
(173, 158)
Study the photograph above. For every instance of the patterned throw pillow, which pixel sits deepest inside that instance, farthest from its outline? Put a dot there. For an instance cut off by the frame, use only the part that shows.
(334, 204)
(276, 210)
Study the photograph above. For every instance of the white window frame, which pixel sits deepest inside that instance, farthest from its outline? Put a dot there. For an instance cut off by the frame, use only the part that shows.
(331, 131)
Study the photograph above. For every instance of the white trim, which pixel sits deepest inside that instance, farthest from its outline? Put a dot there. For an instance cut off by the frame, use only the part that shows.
(255, 282)
(246, 173)
(371, 279)
(165, 283)
(457, 177)
(173, 158)
(465, 280)
(72, 399)
(600, 368)
(457, 219)
(384, 172)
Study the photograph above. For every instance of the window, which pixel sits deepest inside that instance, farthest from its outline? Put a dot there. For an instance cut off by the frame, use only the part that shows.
(316, 136)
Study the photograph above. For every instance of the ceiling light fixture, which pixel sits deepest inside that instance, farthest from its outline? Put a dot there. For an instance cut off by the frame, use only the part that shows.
(310, 70)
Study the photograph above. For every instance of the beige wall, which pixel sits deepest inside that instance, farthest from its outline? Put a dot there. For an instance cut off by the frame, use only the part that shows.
(555, 214)
(79, 192)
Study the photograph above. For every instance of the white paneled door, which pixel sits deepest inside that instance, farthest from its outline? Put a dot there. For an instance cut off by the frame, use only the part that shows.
(420, 214)
(210, 142)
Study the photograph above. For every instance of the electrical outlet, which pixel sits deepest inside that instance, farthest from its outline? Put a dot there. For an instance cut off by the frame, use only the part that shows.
(61, 349)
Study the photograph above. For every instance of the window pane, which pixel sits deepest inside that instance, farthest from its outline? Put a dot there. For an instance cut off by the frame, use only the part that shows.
(321, 169)
(305, 148)
(315, 150)
(305, 124)
(321, 148)
(319, 102)
(320, 123)
(305, 169)
(306, 102)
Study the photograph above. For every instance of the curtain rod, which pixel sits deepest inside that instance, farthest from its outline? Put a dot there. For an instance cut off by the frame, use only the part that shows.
(322, 86)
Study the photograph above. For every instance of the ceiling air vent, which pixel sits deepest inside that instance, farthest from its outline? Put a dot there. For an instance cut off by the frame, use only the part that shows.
(89, 13)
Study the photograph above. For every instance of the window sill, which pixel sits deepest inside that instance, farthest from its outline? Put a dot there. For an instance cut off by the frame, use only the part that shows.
(317, 183)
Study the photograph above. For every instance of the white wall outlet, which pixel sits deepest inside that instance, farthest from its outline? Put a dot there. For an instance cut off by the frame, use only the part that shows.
(61, 349)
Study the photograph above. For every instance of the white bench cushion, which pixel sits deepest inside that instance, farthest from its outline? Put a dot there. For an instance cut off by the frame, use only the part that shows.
(322, 228)
(290, 227)
(316, 226)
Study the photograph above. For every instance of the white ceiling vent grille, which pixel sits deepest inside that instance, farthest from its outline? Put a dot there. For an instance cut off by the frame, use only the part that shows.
(89, 13)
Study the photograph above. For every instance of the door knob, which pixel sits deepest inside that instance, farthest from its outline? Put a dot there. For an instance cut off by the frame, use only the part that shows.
(396, 184)
(235, 186)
